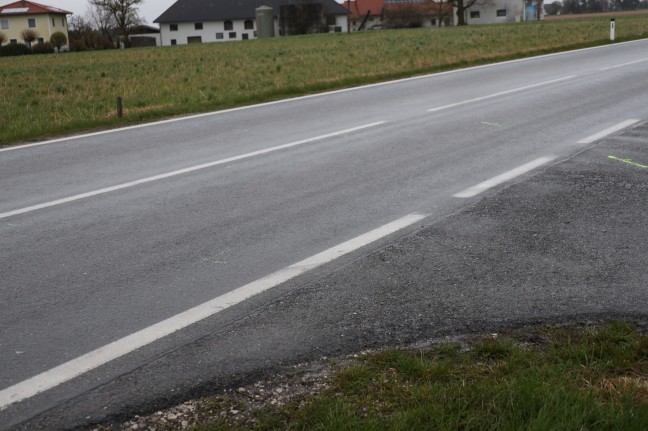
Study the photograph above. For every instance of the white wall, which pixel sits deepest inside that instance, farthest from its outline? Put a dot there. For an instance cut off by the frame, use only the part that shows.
(488, 12)
(208, 32)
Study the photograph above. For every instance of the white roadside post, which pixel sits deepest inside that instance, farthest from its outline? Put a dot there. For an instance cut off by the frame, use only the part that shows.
(612, 28)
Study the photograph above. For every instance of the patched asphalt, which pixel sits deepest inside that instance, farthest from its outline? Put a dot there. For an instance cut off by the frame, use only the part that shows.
(569, 243)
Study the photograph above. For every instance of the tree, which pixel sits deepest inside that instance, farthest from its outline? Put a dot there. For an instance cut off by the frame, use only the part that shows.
(59, 40)
(29, 36)
(554, 8)
(124, 13)
(539, 9)
(462, 6)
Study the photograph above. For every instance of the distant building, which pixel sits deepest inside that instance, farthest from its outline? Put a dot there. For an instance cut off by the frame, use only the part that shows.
(375, 14)
(198, 21)
(144, 35)
(44, 20)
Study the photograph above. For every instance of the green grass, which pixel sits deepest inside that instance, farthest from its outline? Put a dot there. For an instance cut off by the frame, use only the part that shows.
(575, 378)
(44, 96)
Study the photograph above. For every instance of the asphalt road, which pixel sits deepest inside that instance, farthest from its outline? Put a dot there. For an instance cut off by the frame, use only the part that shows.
(92, 254)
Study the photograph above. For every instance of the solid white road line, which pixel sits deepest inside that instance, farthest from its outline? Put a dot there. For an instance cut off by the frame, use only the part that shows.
(89, 361)
(603, 133)
(183, 171)
(501, 93)
(506, 176)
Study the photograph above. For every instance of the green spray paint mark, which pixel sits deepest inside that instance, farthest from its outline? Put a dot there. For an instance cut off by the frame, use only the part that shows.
(628, 161)
(486, 123)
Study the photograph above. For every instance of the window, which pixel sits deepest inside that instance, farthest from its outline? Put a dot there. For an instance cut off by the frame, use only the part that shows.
(4, 24)
(219, 35)
(31, 22)
(173, 27)
(232, 35)
(41, 40)
(198, 26)
(174, 42)
(501, 12)
(244, 36)
(228, 25)
(474, 14)
(194, 39)
(248, 24)
(14, 41)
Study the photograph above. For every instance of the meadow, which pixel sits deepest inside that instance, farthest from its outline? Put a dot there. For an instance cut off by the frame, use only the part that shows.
(43, 96)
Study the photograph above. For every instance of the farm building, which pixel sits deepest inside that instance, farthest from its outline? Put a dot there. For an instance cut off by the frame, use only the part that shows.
(22, 15)
(374, 14)
(197, 21)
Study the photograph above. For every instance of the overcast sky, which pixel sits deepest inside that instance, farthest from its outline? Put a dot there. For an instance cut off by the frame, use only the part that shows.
(149, 10)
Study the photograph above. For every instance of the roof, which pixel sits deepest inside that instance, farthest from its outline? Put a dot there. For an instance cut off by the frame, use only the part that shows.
(30, 8)
(219, 10)
(359, 8)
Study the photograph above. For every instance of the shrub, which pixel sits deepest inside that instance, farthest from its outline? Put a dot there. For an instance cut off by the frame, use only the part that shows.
(3, 38)
(14, 49)
(43, 48)
(58, 40)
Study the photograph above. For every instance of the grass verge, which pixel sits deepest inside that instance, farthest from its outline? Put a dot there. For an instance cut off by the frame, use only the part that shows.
(48, 95)
(558, 377)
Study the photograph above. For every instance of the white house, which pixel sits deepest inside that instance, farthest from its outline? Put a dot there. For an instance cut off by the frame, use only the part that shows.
(199, 21)
(501, 11)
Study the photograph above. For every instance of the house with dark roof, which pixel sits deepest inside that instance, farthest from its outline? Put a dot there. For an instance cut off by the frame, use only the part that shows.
(198, 21)
(44, 20)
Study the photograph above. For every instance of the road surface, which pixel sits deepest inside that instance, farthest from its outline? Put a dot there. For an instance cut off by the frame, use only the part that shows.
(123, 249)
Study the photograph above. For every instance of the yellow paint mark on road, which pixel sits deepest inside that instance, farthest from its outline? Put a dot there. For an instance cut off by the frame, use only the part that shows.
(628, 161)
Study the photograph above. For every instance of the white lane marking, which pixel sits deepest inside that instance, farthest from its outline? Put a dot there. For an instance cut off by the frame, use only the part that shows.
(76, 367)
(501, 93)
(310, 96)
(624, 64)
(603, 133)
(506, 176)
(183, 171)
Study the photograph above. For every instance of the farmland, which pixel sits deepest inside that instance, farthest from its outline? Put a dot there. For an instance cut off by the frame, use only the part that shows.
(49, 95)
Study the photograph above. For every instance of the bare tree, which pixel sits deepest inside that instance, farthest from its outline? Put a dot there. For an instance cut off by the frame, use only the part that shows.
(124, 13)
(29, 36)
(539, 9)
(100, 19)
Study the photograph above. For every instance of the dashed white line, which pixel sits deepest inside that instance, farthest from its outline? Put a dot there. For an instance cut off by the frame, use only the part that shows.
(183, 171)
(506, 176)
(501, 93)
(624, 64)
(603, 133)
(76, 367)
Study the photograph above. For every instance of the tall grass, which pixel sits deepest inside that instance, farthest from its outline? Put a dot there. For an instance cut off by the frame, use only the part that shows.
(41, 96)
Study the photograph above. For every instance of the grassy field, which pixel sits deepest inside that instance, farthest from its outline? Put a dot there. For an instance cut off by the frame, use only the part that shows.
(45, 96)
(552, 378)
